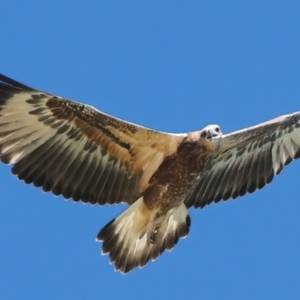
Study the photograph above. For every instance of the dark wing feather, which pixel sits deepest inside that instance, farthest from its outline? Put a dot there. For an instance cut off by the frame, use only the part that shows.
(247, 160)
(75, 150)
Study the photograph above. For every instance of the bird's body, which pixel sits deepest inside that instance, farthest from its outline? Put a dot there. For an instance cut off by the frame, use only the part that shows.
(79, 152)
(177, 174)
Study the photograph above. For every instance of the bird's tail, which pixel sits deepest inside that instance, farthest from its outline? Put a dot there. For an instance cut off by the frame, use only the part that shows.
(129, 240)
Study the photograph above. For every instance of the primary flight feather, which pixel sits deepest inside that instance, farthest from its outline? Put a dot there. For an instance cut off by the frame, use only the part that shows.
(81, 153)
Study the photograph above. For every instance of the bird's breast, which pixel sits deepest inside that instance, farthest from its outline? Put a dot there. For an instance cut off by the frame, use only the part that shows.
(175, 178)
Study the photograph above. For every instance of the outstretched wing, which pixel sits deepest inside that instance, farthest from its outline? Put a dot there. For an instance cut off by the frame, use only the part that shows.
(248, 159)
(75, 150)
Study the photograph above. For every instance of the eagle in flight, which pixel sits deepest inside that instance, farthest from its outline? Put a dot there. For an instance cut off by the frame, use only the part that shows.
(76, 151)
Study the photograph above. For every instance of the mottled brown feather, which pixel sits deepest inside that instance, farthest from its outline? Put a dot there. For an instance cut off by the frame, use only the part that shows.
(55, 143)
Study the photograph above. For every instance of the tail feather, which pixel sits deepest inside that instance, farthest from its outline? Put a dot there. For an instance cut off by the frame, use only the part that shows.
(126, 238)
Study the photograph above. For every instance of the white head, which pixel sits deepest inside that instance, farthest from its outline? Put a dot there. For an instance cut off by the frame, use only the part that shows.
(211, 132)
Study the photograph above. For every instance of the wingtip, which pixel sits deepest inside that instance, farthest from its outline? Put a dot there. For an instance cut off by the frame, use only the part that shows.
(13, 82)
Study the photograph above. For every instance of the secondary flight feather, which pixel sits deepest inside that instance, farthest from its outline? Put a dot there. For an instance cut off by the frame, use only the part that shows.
(76, 151)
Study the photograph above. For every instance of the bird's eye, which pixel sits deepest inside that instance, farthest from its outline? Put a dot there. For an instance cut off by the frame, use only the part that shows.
(203, 134)
(217, 129)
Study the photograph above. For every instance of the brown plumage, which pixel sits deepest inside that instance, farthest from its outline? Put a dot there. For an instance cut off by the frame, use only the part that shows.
(81, 153)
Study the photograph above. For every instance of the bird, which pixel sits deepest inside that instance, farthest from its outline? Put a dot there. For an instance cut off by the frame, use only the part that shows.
(79, 152)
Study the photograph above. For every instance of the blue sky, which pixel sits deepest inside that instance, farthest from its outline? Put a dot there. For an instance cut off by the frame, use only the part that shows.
(173, 66)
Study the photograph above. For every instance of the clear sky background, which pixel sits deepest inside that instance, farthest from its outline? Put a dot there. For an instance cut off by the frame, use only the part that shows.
(174, 66)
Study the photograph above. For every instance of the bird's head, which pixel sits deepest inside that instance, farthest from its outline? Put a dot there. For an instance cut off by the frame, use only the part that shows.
(211, 133)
